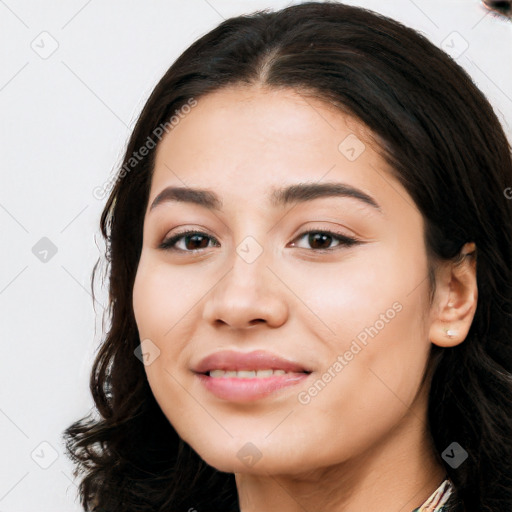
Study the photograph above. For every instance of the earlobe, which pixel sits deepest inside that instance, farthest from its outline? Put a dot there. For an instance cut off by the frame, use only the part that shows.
(456, 299)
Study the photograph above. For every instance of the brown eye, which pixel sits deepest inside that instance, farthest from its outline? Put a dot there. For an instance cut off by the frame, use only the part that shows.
(322, 240)
(193, 241)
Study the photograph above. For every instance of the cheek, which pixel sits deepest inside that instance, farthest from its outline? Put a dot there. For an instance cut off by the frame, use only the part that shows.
(371, 314)
(158, 308)
(348, 297)
(371, 386)
(162, 297)
(165, 304)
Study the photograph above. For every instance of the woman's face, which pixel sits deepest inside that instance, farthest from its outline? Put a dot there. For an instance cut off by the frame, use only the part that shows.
(349, 319)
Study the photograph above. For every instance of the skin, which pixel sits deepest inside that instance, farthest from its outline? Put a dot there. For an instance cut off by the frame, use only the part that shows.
(361, 443)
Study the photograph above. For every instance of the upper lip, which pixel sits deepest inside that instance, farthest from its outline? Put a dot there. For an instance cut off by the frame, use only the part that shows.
(256, 360)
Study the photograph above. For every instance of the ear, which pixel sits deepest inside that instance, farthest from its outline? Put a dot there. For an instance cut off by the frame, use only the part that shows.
(455, 299)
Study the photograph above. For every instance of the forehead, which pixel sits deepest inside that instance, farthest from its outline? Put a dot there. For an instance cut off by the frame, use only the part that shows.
(247, 141)
(256, 117)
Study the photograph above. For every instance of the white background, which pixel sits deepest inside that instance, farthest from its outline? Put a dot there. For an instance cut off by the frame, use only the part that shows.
(65, 119)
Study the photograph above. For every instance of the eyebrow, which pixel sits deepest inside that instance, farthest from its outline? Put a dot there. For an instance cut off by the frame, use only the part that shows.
(297, 193)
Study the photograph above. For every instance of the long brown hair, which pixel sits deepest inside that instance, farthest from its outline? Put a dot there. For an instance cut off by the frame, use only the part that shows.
(448, 149)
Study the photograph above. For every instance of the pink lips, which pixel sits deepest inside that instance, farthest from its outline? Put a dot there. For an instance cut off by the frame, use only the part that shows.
(256, 360)
(248, 389)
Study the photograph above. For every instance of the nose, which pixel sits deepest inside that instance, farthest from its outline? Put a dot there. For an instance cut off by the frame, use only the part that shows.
(249, 294)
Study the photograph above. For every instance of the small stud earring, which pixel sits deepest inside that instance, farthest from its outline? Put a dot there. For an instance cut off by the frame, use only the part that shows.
(450, 332)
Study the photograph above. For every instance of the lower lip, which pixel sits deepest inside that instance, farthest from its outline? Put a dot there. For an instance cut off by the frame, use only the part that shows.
(246, 390)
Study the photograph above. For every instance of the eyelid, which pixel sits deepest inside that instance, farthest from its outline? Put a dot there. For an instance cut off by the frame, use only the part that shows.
(346, 241)
(174, 238)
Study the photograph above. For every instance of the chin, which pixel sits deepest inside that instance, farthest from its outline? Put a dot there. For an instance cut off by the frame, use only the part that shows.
(241, 456)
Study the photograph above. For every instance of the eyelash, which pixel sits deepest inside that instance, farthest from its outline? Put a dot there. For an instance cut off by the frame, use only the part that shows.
(344, 241)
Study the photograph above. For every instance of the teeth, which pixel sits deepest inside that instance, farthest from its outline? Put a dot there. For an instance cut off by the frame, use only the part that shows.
(264, 373)
(245, 374)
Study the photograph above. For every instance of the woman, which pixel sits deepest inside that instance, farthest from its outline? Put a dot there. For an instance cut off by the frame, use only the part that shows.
(248, 368)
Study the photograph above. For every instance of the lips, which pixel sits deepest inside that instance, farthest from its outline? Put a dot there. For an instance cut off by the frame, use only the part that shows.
(229, 360)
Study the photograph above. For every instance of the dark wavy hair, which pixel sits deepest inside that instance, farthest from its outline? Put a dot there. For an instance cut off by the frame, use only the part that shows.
(445, 145)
